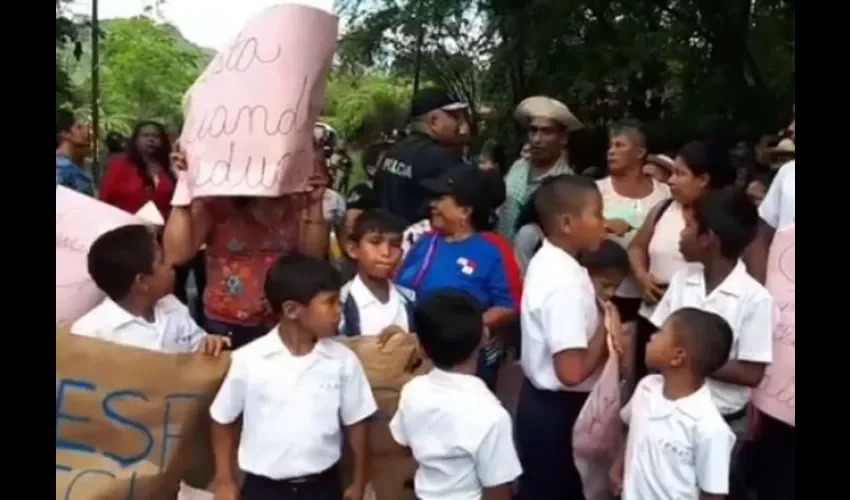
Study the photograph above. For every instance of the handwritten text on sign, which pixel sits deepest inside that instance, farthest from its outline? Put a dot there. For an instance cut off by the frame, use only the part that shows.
(140, 444)
(776, 395)
(250, 115)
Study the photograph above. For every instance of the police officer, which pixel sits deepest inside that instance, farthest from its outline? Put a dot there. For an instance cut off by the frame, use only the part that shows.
(437, 120)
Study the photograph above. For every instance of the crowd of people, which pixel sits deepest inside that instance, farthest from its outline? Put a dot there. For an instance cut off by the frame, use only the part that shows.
(660, 260)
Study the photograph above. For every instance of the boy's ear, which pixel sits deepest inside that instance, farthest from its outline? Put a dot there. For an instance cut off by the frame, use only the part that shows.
(351, 249)
(565, 223)
(139, 283)
(291, 310)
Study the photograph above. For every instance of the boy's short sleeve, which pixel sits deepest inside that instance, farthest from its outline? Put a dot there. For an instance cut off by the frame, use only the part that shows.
(229, 403)
(755, 341)
(713, 456)
(770, 208)
(496, 459)
(357, 403)
(565, 320)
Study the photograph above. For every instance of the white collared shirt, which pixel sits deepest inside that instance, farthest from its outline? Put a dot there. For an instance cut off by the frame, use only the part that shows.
(459, 434)
(744, 303)
(779, 206)
(373, 314)
(675, 448)
(172, 331)
(558, 313)
(291, 406)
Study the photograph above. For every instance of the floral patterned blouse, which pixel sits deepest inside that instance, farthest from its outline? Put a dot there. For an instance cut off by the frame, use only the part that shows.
(247, 236)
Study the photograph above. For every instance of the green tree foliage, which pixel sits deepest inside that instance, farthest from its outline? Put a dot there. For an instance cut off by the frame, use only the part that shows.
(366, 107)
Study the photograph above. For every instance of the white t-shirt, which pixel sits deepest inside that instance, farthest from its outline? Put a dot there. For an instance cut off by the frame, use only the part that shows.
(373, 314)
(663, 252)
(779, 206)
(459, 433)
(633, 211)
(558, 313)
(675, 448)
(292, 407)
(172, 331)
(744, 303)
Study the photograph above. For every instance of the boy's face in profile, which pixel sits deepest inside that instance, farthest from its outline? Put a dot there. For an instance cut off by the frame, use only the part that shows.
(606, 282)
(160, 282)
(663, 349)
(320, 317)
(587, 227)
(377, 254)
(692, 244)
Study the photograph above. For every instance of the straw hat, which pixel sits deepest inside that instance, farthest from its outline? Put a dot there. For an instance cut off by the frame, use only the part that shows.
(546, 107)
(662, 161)
(785, 147)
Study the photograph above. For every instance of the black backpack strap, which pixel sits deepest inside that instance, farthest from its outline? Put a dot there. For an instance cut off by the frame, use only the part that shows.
(350, 317)
(663, 206)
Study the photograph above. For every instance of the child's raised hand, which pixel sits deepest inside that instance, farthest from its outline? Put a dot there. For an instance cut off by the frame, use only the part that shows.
(615, 475)
(614, 327)
(388, 332)
(213, 345)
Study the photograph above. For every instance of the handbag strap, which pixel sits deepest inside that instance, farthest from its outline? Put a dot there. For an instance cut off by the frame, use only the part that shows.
(429, 258)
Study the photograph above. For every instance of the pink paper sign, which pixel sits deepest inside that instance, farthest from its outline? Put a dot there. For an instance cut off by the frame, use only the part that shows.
(597, 435)
(79, 220)
(250, 115)
(776, 395)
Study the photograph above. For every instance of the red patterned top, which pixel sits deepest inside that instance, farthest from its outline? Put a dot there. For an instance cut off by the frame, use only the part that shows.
(248, 235)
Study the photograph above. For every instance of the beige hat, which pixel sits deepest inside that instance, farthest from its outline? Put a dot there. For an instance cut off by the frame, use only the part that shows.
(546, 107)
(785, 147)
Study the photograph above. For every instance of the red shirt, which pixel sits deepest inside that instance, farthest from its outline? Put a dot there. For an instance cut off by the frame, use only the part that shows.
(123, 187)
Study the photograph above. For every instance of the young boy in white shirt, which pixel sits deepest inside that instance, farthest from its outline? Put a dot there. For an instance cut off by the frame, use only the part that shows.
(127, 265)
(563, 348)
(678, 444)
(371, 303)
(458, 431)
(294, 389)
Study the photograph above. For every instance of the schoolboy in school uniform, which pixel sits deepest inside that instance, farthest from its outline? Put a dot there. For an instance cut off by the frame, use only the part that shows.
(607, 267)
(127, 265)
(294, 389)
(563, 348)
(718, 228)
(458, 431)
(371, 303)
(678, 444)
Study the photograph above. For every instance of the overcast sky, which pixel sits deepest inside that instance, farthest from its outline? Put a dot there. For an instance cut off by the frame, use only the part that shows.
(208, 23)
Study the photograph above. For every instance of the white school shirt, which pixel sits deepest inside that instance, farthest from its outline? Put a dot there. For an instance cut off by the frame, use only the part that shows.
(459, 434)
(633, 211)
(744, 303)
(292, 406)
(675, 448)
(172, 331)
(663, 252)
(558, 313)
(779, 207)
(375, 315)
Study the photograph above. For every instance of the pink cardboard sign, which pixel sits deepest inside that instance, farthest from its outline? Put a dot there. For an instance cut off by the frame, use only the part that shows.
(776, 395)
(250, 115)
(597, 435)
(79, 221)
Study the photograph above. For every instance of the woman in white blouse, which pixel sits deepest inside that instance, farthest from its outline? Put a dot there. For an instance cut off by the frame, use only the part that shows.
(654, 251)
(628, 195)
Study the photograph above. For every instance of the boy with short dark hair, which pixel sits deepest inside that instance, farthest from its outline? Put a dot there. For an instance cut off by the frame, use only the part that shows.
(563, 346)
(458, 431)
(678, 444)
(371, 303)
(128, 265)
(608, 266)
(294, 389)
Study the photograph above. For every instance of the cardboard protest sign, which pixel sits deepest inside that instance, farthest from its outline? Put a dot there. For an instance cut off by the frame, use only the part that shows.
(250, 115)
(597, 434)
(128, 420)
(388, 368)
(80, 219)
(776, 395)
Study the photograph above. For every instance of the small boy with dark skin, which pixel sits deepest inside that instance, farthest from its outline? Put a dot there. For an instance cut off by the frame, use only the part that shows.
(295, 389)
(608, 266)
(371, 303)
(678, 444)
(128, 266)
(458, 431)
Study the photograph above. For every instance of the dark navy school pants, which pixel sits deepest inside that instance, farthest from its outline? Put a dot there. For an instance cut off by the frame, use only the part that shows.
(544, 440)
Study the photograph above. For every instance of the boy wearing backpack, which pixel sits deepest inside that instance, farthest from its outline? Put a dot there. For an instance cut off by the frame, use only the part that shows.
(371, 303)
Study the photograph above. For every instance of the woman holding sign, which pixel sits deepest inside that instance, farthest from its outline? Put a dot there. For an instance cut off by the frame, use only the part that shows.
(244, 236)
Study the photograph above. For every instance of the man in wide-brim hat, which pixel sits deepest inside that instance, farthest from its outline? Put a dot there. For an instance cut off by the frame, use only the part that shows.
(549, 123)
